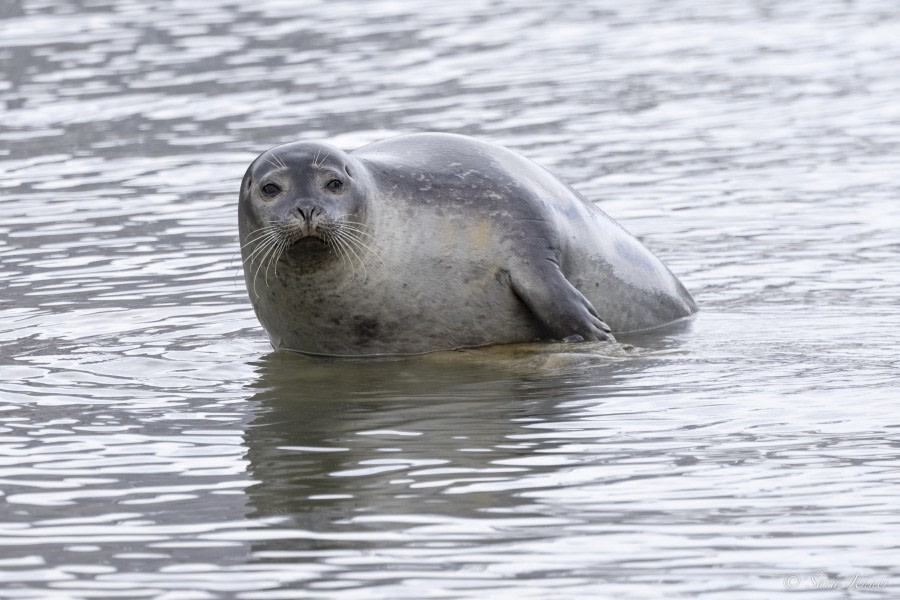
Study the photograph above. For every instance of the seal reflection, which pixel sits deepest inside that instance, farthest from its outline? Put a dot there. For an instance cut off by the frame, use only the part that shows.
(344, 450)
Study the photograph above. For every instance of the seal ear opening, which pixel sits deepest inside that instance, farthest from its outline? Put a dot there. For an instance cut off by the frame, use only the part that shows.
(246, 182)
(347, 170)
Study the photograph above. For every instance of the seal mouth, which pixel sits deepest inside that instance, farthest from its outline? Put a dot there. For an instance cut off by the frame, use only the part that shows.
(308, 241)
(308, 246)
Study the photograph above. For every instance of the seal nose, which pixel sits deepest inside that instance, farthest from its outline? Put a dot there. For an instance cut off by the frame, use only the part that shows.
(309, 214)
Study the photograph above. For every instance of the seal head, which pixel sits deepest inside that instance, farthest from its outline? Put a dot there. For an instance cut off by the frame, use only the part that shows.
(302, 205)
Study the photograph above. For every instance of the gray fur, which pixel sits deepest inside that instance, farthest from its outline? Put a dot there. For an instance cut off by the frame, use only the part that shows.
(455, 242)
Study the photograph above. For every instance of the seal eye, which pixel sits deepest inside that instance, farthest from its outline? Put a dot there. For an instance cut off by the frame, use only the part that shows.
(270, 189)
(335, 185)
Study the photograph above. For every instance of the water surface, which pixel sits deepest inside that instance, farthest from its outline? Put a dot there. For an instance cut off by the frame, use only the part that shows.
(152, 446)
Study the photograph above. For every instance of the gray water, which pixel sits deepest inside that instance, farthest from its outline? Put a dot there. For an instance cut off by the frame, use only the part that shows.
(152, 445)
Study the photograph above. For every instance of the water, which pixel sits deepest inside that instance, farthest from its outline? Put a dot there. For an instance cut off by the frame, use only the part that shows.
(151, 445)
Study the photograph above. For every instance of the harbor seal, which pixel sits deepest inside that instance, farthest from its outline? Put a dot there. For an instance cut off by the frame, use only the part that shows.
(436, 241)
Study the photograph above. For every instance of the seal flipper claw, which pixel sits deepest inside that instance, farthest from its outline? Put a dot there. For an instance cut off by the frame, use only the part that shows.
(558, 305)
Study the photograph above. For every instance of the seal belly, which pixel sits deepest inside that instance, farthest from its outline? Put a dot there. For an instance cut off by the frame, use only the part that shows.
(401, 309)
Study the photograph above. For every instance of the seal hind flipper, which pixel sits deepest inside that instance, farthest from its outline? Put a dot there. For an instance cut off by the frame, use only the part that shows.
(558, 305)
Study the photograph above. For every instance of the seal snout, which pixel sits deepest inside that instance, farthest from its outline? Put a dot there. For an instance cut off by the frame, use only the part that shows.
(307, 219)
(310, 218)
(307, 222)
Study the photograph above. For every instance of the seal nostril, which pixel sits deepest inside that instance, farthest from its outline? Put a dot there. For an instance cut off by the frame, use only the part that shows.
(307, 214)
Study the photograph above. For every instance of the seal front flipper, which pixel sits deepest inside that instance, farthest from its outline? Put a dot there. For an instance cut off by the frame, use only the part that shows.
(563, 311)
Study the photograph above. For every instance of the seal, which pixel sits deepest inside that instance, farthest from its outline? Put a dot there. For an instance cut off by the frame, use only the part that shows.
(436, 241)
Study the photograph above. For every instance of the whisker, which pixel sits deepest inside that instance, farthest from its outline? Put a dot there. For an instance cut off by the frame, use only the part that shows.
(281, 250)
(261, 262)
(341, 245)
(262, 229)
(271, 240)
(268, 262)
(356, 230)
(340, 235)
(369, 244)
(259, 233)
(358, 223)
(337, 247)
(260, 238)
(258, 253)
(330, 244)
(285, 244)
(350, 252)
(352, 236)
(361, 244)
(275, 255)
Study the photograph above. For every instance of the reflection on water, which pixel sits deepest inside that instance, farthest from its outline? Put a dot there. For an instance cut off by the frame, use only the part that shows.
(362, 464)
(152, 446)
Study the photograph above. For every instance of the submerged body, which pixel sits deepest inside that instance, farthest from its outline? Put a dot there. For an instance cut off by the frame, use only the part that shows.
(436, 241)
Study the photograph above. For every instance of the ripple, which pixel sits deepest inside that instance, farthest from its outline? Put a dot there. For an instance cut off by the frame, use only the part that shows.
(150, 447)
